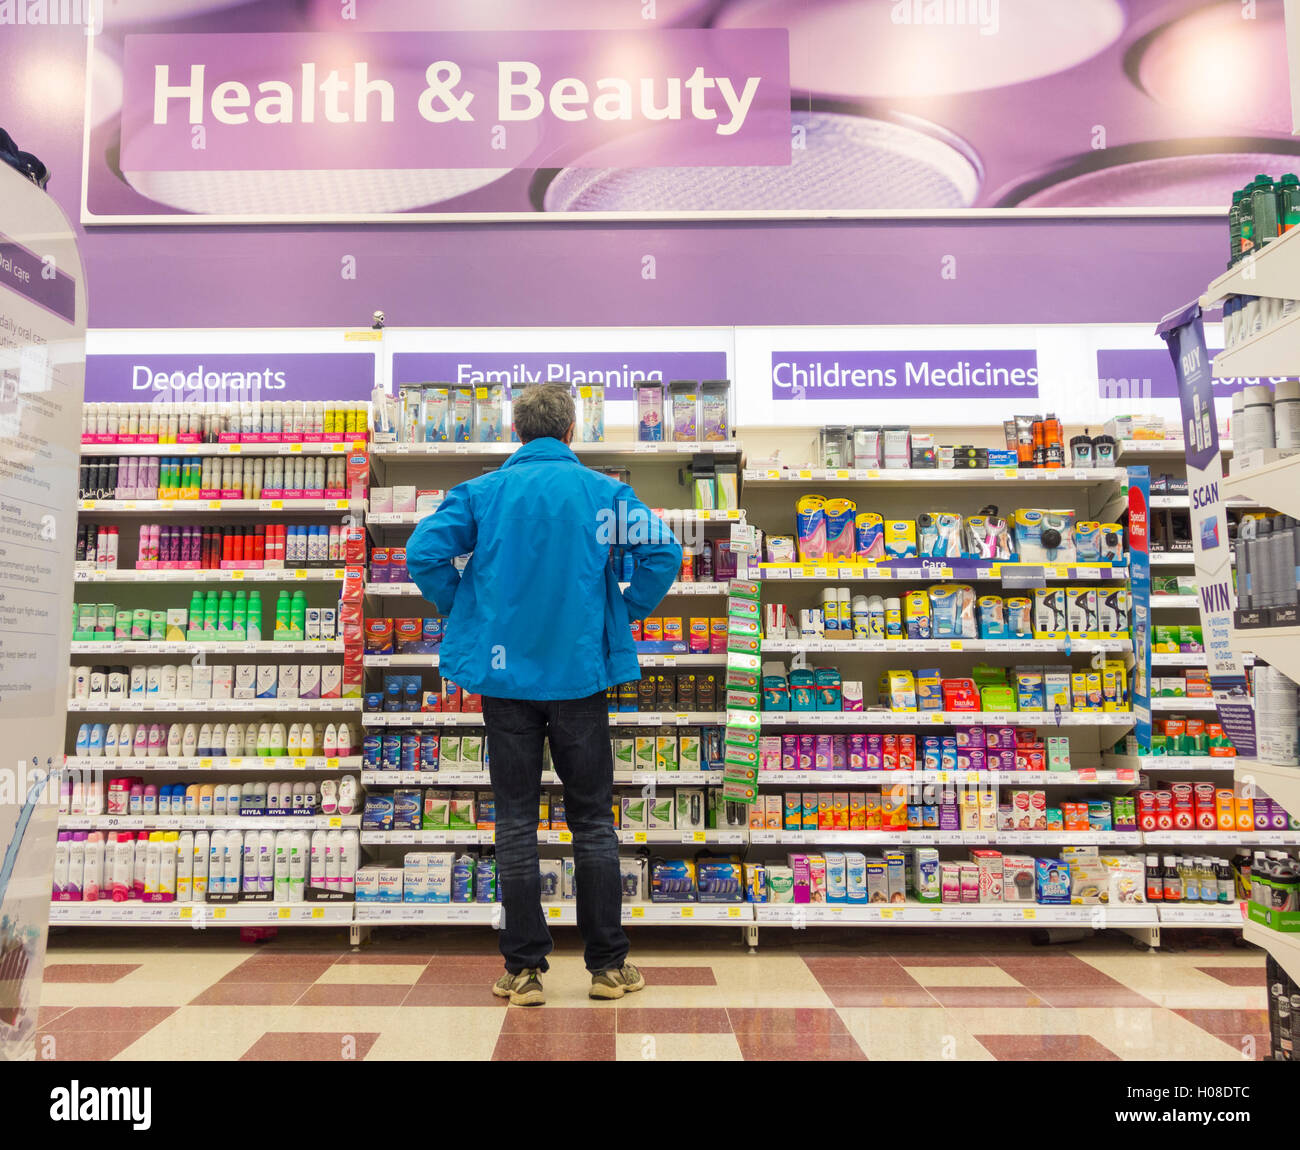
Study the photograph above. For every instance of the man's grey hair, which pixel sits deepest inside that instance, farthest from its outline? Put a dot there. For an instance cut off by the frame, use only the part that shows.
(543, 410)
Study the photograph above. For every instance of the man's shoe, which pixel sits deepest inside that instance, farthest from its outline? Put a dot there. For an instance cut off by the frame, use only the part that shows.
(523, 989)
(616, 983)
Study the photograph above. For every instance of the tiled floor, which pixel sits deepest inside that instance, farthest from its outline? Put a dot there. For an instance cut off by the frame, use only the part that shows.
(821, 994)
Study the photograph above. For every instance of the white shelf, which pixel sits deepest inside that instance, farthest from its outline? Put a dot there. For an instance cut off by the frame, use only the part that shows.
(253, 763)
(967, 778)
(1163, 447)
(133, 706)
(1182, 659)
(927, 476)
(1175, 602)
(616, 719)
(401, 660)
(1190, 914)
(1275, 485)
(1170, 502)
(207, 822)
(1272, 271)
(946, 718)
(192, 914)
(627, 448)
(215, 647)
(951, 914)
(939, 646)
(292, 575)
(1157, 763)
(213, 506)
(694, 590)
(1172, 558)
(627, 836)
(170, 449)
(1280, 783)
(668, 514)
(1174, 703)
(1285, 948)
(943, 838)
(441, 778)
(1272, 352)
(924, 568)
(1222, 838)
(424, 913)
(561, 913)
(1277, 646)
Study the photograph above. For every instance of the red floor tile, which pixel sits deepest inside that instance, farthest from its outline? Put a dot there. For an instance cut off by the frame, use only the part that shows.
(789, 1022)
(381, 958)
(554, 1047)
(777, 1048)
(481, 972)
(1235, 975)
(291, 1046)
(47, 1014)
(1231, 1022)
(958, 996)
(679, 975)
(1048, 969)
(277, 969)
(672, 1020)
(352, 994)
(137, 1018)
(559, 1020)
(251, 994)
(860, 973)
(84, 1045)
(454, 994)
(88, 971)
(882, 996)
(1116, 995)
(944, 960)
(1045, 1048)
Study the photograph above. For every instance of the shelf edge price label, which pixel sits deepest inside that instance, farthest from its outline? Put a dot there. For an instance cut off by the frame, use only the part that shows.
(284, 912)
(554, 912)
(733, 912)
(219, 912)
(687, 912)
(638, 912)
(318, 912)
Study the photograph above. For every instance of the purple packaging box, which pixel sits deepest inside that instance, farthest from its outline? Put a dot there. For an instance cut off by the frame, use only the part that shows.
(978, 759)
(789, 752)
(949, 818)
(875, 752)
(822, 753)
(802, 878)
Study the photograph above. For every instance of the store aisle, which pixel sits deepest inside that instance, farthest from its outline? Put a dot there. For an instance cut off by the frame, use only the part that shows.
(980, 996)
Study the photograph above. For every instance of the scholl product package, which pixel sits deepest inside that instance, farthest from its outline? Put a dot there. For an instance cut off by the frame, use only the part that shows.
(916, 615)
(900, 539)
(810, 528)
(945, 610)
(992, 617)
(938, 535)
(988, 537)
(1045, 536)
(870, 530)
(1050, 620)
(1020, 617)
(841, 535)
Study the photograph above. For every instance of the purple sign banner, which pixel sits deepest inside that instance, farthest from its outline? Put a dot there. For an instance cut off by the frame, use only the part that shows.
(942, 375)
(221, 378)
(46, 285)
(479, 100)
(618, 371)
(1138, 373)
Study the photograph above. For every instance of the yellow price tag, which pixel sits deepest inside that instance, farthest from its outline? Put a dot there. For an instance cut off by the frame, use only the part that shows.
(283, 912)
(335, 821)
(87, 505)
(318, 912)
(566, 836)
(804, 474)
(886, 913)
(205, 764)
(277, 504)
(638, 837)
(699, 836)
(234, 448)
(688, 912)
(1029, 912)
(187, 912)
(733, 912)
(954, 645)
(236, 574)
(733, 513)
(300, 574)
(213, 505)
(295, 449)
(219, 912)
(553, 912)
(841, 473)
(638, 912)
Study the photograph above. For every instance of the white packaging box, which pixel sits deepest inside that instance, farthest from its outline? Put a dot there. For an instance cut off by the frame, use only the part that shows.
(438, 877)
(331, 680)
(287, 687)
(202, 688)
(309, 681)
(404, 498)
(223, 680)
(312, 625)
(266, 680)
(245, 681)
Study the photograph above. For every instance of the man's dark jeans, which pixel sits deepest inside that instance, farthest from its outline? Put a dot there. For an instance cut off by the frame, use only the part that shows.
(578, 730)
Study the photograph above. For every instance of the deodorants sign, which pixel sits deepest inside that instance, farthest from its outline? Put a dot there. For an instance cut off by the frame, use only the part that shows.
(1139, 570)
(617, 371)
(933, 374)
(1184, 332)
(1144, 373)
(229, 378)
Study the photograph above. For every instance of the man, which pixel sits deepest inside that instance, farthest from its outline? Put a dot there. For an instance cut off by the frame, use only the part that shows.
(539, 627)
